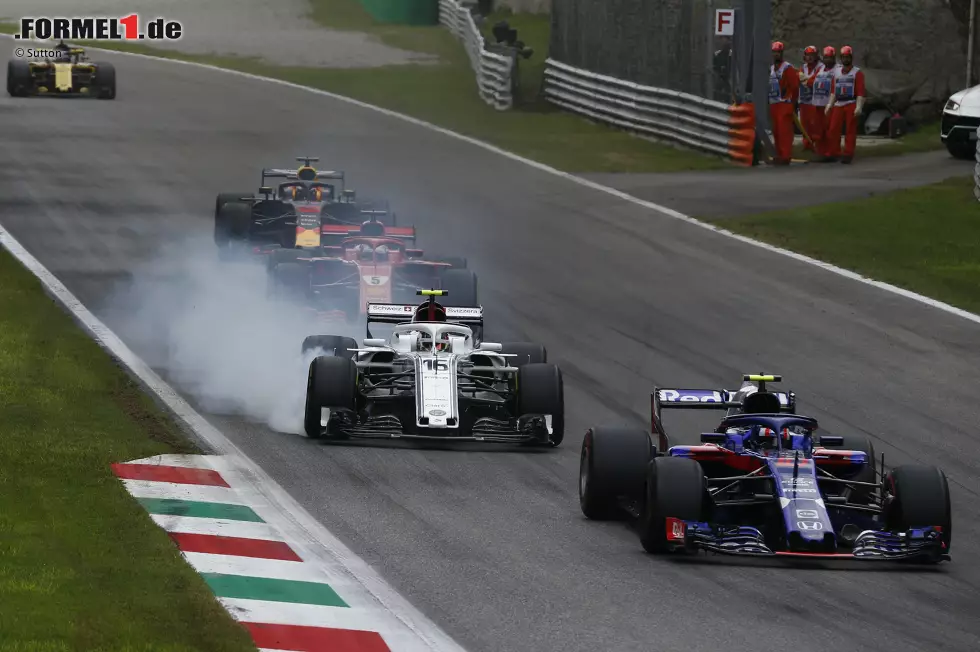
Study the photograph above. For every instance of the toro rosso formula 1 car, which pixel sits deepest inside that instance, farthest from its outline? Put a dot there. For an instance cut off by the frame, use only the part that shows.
(433, 378)
(761, 484)
(373, 263)
(289, 215)
(69, 73)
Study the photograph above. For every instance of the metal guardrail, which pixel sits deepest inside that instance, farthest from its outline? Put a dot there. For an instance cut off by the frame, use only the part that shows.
(683, 118)
(494, 72)
(976, 169)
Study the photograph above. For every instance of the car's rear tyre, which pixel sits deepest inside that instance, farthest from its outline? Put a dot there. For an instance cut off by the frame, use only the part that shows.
(525, 353)
(457, 262)
(19, 81)
(966, 151)
(232, 222)
(461, 285)
(675, 487)
(612, 464)
(337, 345)
(105, 78)
(920, 498)
(331, 384)
(291, 281)
(541, 390)
(226, 197)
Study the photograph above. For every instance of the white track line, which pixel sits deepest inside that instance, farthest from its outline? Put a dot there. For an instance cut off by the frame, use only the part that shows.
(273, 569)
(217, 527)
(619, 194)
(404, 626)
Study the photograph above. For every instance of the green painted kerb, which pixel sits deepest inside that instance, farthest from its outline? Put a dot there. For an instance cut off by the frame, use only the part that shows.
(175, 507)
(404, 12)
(262, 588)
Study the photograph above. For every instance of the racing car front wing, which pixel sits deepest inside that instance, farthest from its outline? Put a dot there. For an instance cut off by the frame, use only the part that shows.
(528, 429)
(870, 545)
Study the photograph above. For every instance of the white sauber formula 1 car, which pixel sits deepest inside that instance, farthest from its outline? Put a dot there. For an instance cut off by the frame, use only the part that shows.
(433, 378)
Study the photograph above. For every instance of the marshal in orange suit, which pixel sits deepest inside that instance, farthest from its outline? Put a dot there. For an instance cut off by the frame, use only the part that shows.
(811, 116)
(784, 86)
(846, 104)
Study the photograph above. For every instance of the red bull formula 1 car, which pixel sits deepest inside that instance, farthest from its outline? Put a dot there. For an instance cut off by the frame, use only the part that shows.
(289, 215)
(762, 484)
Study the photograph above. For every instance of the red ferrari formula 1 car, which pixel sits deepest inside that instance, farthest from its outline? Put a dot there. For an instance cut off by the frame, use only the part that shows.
(348, 268)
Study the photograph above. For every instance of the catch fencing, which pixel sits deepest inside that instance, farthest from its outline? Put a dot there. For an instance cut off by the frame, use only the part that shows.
(494, 71)
(708, 125)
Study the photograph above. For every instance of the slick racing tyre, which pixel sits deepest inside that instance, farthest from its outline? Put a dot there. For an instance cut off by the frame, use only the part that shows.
(612, 465)
(461, 285)
(19, 81)
(525, 353)
(337, 345)
(105, 79)
(675, 487)
(541, 390)
(226, 197)
(290, 281)
(332, 384)
(919, 498)
(458, 262)
(232, 222)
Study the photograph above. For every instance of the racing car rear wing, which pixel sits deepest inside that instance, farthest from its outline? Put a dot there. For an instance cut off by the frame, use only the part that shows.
(701, 399)
(285, 173)
(394, 313)
(346, 231)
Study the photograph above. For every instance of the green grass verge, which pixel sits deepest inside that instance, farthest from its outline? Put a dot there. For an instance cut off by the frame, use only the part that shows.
(445, 94)
(82, 566)
(925, 138)
(923, 239)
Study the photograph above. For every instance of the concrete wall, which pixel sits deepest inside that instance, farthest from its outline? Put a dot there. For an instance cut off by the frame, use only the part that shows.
(913, 51)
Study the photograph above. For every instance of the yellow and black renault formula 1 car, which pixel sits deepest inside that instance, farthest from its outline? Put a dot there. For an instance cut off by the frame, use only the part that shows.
(66, 71)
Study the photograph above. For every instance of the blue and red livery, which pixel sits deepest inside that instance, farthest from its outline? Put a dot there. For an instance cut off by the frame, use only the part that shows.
(762, 484)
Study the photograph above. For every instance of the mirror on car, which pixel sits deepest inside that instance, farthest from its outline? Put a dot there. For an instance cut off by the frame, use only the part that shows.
(374, 342)
(265, 190)
(830, 440)
(713, 438)
(491, 346)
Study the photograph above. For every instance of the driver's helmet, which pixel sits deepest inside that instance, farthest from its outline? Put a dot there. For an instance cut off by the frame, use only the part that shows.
(364, 251)
(761, 439)
(422, 312)
(442, 344)
(63, 47)
(372, 228)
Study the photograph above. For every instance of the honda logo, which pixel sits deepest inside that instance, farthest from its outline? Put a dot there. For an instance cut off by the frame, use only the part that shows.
(809, 525)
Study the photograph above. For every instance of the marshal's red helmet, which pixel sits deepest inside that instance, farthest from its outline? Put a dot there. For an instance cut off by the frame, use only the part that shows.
(846, 50)
(778, 46)
(829, 51)
(810, 49)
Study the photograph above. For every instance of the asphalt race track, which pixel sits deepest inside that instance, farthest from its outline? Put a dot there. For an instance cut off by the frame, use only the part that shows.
(491, 543)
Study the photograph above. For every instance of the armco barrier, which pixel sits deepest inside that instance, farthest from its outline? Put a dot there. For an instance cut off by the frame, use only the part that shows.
(687, 119)
(976, 169)
(494, 72)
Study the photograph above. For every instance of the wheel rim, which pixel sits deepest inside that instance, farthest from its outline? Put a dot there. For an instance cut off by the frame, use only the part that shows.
(583, 471)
